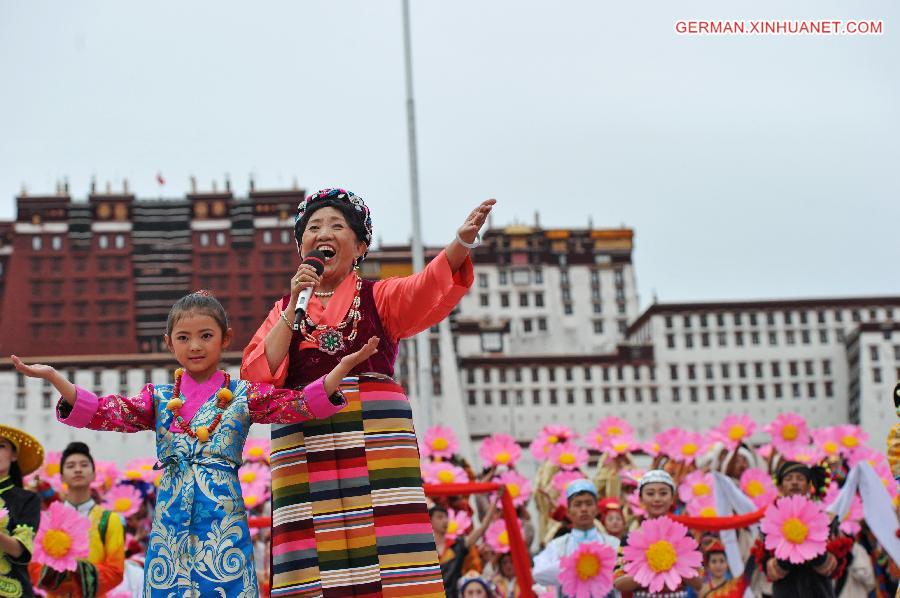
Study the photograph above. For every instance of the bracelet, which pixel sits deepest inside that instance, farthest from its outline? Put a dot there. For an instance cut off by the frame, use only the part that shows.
(287, 323)
(472, 245)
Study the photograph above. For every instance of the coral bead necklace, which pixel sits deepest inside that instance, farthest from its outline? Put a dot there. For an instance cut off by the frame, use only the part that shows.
(202, 433)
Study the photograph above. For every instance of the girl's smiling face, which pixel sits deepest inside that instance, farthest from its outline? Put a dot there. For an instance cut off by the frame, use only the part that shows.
(7, 456)
(657, 499)
(197, 341)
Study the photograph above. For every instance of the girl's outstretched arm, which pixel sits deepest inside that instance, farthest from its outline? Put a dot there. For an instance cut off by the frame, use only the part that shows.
(83, 409)
(272, 405)
(50, 374)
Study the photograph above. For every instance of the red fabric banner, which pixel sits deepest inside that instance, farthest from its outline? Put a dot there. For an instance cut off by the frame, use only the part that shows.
(517, 549)
(714, 524)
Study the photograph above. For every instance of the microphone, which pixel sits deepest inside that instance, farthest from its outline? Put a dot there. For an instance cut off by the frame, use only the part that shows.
(316, 259)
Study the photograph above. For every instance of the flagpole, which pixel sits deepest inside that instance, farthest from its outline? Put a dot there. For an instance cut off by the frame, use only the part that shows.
(423, 359)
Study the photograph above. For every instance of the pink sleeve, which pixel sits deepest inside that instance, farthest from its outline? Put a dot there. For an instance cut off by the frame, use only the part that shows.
(413, 303)
(115, 413)
(254, 365)
(270, 405)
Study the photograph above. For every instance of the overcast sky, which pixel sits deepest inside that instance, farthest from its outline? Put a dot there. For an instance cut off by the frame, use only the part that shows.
(749, 167)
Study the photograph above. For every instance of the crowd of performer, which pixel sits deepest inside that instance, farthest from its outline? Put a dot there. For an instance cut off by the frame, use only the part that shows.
(777, 511)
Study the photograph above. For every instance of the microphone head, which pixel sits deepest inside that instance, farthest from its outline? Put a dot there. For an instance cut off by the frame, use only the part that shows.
(316, 259)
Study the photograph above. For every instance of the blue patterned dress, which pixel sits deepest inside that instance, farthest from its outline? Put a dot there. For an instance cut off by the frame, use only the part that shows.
(200, 544)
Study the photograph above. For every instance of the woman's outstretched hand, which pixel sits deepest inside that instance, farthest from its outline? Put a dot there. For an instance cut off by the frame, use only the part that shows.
(475, 220)
(348, 362)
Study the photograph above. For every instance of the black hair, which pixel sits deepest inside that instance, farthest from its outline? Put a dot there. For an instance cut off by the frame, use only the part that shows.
(437, 509)
(198, 302)
(15, 473)
(76, 448)
(356, 220)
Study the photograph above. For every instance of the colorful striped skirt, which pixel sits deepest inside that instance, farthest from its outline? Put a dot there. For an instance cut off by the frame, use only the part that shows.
(348, 512)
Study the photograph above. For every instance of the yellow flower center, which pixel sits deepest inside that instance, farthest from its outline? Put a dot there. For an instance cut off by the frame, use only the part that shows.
(122, 504)
(587, 567)
(830, 447)
(256, 451)
(755, 488)
(567, 459)
(452, 526)
(789, 432)
(502, 457)
(251, 500)
(620, 447)
(850, 441)
(133, 474)
(248, 477)
(736, 432)
(439, 444)
(661, 556)
(553, 439)
(708, 512)
(53, 469)
(57, 543)
(146, 467)
(598, 438)
(614, 431)
(701, 489)
(688, 449)
(445, 476)
(503, 538)
(794, 530)
(513, 490)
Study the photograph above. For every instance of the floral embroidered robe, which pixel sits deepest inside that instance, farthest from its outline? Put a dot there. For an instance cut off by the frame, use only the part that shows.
(200, 544)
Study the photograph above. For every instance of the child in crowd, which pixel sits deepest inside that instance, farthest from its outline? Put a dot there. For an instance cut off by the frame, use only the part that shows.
(199, 544)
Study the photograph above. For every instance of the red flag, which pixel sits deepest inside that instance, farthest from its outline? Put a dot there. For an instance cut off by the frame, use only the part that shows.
(160, 179)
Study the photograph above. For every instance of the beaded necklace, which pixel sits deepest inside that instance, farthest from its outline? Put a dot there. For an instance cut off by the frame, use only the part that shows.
(223, 398)
(330, 339)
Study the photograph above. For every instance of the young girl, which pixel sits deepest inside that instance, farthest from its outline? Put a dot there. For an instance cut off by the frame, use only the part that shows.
(656, 490)
(20, 510)
(199, 544)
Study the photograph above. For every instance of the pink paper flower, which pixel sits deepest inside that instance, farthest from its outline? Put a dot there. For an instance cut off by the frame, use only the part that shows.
(702, 507)
(561, 481)
(458, 524)
(107, 475)
(141, 469)
(440, 442)
(549, 436)
(254, 494)
(614, 446)
(864, 453)
(685, 446)
(827, 441)
(850, 437)
(759, 487)
(497, 537)
(257, 450)
(787, 431)
(733, 430)
(634, 504)
(62, 538)
(124, 499)
(808, 454)
(588, 571)
(568, 456)
(652, 448)
(255, 473)
(850, 523)
(517, 486)
(49, 471)
(442, 472)
(499, 449)
(663, 440)
(796, 529)
(661, 553)
(608, 429)
(696, 485)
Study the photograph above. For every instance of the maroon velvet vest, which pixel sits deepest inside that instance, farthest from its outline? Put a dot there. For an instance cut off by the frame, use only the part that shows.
(305, 365)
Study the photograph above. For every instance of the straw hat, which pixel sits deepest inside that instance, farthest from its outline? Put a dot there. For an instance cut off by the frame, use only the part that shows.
(29, 451)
